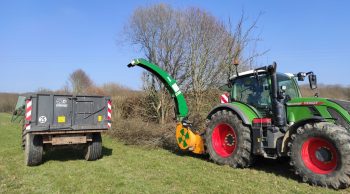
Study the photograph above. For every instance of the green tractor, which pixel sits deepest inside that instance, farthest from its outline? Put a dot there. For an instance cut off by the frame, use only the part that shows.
(267, 116)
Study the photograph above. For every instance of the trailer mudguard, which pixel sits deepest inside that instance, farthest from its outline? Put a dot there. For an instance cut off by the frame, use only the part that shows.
(181, 109)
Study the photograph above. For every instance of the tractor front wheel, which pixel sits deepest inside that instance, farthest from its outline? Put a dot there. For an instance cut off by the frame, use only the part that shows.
(228, 141)
(320, 155)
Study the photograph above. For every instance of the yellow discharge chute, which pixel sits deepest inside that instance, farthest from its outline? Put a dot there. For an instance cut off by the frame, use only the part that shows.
(188, 140)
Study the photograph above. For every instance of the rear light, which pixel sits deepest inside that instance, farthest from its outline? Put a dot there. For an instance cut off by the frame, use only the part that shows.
(262, 122)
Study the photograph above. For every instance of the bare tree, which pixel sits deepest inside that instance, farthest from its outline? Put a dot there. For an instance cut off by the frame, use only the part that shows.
(157, 30)
(196, 49)
(8, 102)
(80, 82)
(205, 37)
(65, 88)
(241, 45)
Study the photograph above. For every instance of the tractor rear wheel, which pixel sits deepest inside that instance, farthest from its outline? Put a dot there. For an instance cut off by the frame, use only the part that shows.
(228, 141)
(320, 155)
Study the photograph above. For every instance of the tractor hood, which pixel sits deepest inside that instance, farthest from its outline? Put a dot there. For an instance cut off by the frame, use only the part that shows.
(343, 103)
(340, 105)
(329, 109)
(181, 109)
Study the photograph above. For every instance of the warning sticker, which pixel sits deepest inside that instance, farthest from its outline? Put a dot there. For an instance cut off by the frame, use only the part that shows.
(61, 119)
(42, 119)
(61, 102)
(99, 118)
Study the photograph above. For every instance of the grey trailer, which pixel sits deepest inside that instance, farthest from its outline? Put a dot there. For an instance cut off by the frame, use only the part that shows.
(56, 120)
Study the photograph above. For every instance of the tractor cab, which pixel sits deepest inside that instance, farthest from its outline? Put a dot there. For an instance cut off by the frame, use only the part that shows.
(254, 89)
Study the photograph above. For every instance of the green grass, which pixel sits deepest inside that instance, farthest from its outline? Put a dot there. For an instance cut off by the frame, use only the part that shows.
(131, 169)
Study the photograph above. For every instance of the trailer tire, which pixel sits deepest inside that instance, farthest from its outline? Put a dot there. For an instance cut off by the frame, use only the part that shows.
(33, 151)
(93, 150)
(228, 141)
(320, 155)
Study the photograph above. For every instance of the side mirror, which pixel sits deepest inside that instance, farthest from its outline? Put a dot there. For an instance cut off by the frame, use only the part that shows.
(313, 81)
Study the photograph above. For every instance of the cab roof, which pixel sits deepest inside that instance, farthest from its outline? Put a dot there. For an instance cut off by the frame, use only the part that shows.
(251, 72)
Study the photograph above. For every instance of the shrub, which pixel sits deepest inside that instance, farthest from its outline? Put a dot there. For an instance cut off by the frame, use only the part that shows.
(8, 102)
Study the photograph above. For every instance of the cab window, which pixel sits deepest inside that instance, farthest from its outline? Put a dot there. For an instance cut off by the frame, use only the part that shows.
(291, 90)
(253, 91)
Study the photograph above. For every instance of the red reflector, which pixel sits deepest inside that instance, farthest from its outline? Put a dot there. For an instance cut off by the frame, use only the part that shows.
(262, 120)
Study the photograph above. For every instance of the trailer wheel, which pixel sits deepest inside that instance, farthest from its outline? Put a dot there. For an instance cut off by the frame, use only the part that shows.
(320, 155)
(228, 141)
(33, 151)
(93, 150)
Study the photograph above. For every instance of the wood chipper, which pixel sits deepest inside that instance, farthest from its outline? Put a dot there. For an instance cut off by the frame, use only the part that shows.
(267, 116)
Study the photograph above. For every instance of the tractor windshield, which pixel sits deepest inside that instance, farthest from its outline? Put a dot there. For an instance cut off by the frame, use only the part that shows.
(252, 90)
(289, 83)
(255, 90)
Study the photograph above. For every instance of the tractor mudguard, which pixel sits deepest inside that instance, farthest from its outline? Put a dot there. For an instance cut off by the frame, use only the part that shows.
(292, 129)
(246, 114)
(181, 108)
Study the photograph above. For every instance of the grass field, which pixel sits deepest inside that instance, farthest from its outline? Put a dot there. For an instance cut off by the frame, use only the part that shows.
(130, 169)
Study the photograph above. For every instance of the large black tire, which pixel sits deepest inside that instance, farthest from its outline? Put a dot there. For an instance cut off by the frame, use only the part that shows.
(228, 141)
(33, 152)
(320, 154)
(93, 150)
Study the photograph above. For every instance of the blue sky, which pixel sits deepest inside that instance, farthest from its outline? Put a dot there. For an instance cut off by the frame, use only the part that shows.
(42, 42)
